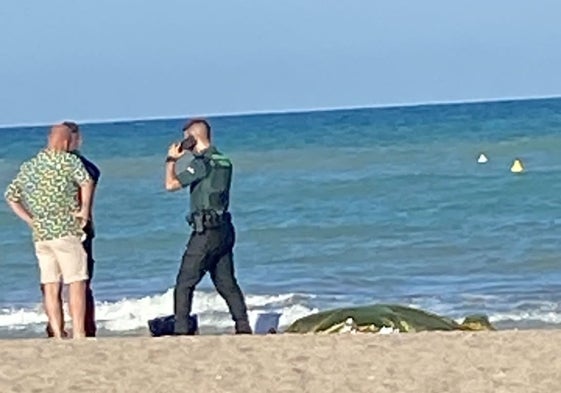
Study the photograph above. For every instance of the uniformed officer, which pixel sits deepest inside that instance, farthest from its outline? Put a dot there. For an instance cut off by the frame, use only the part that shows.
(210, 245)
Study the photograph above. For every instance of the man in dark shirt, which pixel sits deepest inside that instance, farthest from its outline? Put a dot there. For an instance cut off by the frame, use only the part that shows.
(89, 230)
(208, 177)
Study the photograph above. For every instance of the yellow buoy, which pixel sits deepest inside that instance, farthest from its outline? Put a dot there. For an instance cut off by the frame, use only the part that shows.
(517, 166)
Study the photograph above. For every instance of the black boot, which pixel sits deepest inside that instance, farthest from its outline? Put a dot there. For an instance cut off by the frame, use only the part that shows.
(243, 327)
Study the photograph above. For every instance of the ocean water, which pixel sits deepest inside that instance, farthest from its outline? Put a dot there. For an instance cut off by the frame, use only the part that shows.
(331, 208)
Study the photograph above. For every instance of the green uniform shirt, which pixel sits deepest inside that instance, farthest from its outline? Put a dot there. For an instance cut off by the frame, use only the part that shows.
(209, 175)
(48, 185)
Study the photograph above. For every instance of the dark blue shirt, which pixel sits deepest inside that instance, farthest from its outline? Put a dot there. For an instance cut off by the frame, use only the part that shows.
(92, 169)
(95, 174)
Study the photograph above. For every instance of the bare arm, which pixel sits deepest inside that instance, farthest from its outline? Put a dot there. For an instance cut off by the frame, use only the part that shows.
(172, 182)
(21, 211)
(94, 188)
(95, 174)
(86, 191)
(14, 197)
(82, 177)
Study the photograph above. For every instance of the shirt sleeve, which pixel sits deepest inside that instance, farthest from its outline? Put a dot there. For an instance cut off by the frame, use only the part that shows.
(196, 170)
(14, 192)
(78, 170)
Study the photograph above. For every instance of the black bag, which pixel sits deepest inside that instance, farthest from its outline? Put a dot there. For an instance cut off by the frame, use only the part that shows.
(164, 326)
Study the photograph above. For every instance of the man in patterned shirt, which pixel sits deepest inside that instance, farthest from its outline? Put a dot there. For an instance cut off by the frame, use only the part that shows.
(43, 194)
(87, 240)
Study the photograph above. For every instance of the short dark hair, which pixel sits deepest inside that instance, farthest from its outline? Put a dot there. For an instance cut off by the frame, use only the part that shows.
(72, 126)
(192, 122)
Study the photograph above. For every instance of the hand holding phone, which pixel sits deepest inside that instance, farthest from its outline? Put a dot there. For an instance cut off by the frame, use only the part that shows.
(188, 143)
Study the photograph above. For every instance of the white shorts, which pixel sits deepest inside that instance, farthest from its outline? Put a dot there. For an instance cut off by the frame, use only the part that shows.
(62, 258)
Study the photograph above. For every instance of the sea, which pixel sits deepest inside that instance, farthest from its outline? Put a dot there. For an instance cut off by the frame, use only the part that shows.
(332, 208)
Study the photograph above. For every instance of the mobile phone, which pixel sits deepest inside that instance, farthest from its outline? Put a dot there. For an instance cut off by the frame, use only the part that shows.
(188, 143)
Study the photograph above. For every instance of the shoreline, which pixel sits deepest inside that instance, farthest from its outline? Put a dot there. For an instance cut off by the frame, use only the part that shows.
(513, 361)
(206, 331)
(142, 332)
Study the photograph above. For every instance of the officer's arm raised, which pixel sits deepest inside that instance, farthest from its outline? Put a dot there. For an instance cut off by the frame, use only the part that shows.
(195, 171)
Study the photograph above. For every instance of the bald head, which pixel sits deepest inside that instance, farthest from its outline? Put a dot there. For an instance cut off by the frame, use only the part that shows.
(59, 137)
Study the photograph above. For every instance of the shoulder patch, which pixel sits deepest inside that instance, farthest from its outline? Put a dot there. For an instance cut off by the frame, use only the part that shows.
(220, 160)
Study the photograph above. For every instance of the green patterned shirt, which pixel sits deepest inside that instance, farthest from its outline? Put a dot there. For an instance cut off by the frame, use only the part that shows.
(48, 185)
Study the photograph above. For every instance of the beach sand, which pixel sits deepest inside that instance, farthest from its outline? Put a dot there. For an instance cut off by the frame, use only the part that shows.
(506, 361)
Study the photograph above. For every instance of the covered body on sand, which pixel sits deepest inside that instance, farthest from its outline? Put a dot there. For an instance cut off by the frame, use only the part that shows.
(373, 318)
(364, 319)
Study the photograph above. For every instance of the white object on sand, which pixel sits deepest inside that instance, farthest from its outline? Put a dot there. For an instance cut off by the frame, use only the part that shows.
(388, 330)
(349, 327)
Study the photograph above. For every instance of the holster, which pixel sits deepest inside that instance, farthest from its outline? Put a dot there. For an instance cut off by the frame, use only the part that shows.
(209, 219)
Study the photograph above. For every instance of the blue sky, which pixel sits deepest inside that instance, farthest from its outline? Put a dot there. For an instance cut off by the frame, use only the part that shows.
(109, 59)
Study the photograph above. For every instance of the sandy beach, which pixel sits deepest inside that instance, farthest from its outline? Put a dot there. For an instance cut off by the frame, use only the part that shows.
(508, 361)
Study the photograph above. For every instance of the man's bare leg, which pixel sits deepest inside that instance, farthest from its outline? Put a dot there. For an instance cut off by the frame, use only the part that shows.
(48, 329)
(60, 286)
(53, 308)
(77, 302)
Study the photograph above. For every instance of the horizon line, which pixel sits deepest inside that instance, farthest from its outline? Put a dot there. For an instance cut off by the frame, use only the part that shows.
(291, 111)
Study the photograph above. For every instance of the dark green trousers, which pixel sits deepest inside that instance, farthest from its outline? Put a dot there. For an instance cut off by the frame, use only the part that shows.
(209, 251)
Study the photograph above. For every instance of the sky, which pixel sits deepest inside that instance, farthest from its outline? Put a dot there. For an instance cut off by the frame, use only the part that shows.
(130, 59)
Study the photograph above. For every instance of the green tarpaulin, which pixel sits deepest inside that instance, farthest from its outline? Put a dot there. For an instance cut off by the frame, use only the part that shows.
(372, 318)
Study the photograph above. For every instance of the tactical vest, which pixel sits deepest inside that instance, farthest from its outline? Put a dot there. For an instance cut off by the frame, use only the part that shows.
(213, 191)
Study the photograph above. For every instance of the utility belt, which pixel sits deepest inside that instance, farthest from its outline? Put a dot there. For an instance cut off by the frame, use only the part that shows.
(208, 219)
